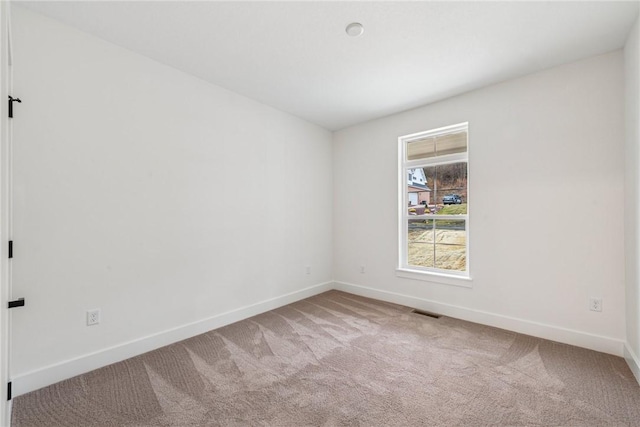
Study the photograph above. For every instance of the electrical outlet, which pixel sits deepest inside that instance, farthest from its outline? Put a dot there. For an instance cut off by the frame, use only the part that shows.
(93, 317)
(362, 269)
(308, 269)
(595, 304)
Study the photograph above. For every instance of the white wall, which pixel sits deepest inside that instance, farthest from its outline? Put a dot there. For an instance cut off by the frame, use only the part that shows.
(632, 197)
(546, 205)
(150, 194)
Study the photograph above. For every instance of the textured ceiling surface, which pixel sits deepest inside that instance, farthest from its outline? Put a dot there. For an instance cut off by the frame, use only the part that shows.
(296, 56)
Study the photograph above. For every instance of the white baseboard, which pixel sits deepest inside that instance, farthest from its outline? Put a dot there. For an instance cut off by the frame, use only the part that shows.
(632, 361)
(52, 374)
(536, 329)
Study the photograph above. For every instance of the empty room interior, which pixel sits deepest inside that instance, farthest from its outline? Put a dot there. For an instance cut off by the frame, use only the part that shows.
(319, 213)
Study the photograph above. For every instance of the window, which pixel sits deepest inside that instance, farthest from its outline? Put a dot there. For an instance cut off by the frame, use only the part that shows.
(434, 201)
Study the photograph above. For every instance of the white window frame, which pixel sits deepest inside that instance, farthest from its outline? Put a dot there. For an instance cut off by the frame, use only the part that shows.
(453, 277)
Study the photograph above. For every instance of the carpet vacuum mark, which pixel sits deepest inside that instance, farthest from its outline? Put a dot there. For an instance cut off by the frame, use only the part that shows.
(339, 359)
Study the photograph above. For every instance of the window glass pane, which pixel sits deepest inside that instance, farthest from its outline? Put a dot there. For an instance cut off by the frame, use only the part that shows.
(438, 189)
(440, 145)
(451, 143)
(441, 244)
(421, 148)
(421, 240)
(450, 251)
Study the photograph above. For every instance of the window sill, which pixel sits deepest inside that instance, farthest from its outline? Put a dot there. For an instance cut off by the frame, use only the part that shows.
(440, 278)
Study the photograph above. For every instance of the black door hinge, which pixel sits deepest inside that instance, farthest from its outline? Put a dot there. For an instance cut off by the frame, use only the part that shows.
(10, 248)
(16, 303)
(9, 390)
(11, 101)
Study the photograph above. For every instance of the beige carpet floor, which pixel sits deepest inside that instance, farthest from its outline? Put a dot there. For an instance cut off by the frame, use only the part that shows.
(340, 359)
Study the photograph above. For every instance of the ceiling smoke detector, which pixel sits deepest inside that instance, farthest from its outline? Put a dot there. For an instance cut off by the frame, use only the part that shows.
(355, 29)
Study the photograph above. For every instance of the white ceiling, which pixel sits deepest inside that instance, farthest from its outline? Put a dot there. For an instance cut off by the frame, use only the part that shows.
(296, 56)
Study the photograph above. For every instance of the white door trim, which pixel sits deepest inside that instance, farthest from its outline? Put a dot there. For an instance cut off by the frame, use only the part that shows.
(5, 209)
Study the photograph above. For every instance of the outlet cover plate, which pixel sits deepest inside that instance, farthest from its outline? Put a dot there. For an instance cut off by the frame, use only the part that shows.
(93, 317)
